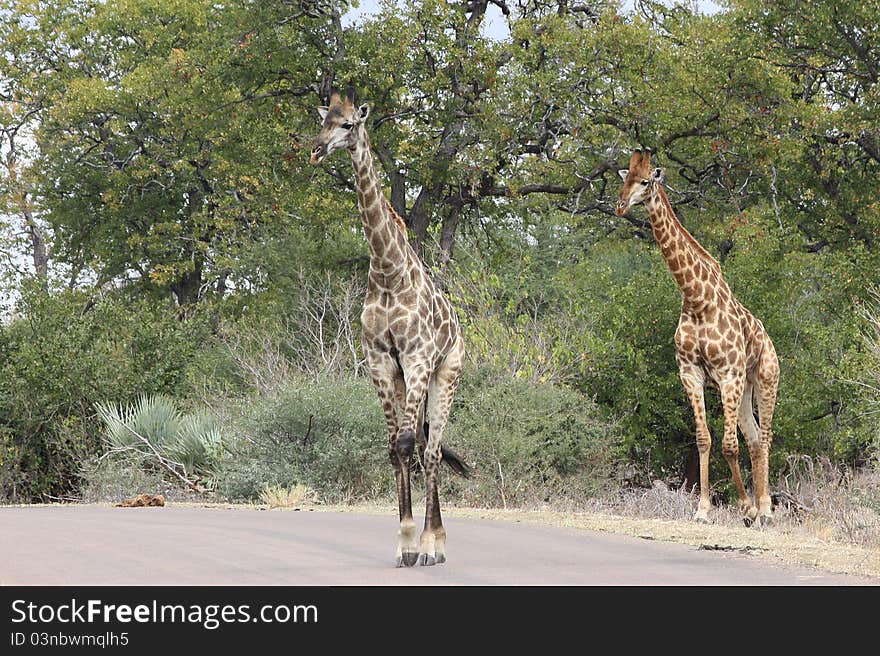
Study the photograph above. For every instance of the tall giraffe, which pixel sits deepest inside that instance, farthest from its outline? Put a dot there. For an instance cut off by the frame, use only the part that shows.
(717, 341)
(411, 337)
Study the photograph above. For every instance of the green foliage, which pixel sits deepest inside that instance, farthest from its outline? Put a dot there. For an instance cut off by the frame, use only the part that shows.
(65, 353)
(529, 443)
(326, 433)
(142, 125)
(830, 148)
(809, 304)
(628, 359)
(153, 427)
(169, 160)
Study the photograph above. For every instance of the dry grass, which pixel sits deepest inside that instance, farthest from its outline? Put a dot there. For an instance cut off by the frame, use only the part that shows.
(811, 497)
(829, 502)
(778, 544)
(824, 517)
(276, 496)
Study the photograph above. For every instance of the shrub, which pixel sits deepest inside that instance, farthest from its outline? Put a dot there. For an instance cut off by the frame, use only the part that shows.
(833, 501)
(327, 433)
(184, 446)
(112, 479)
(276, 496)
(62, 353)
(528, 442)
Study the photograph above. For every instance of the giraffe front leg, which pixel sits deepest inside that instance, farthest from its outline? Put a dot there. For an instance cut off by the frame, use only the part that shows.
(416, 377)
(407, 546)
(693, 379)
(402, 451)
(391, 389)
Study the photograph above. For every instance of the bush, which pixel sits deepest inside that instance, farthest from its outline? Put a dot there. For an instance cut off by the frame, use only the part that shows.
(326, 433)
(63, 353)
(122, 477)
(528, 442)
(835, 502)
(186, 447)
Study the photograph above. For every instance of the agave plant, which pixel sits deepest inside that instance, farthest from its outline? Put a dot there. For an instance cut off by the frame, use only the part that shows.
(189, 445)
(197, 441)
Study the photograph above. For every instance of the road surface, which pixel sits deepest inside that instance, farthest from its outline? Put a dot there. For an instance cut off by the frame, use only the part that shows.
(102, 545)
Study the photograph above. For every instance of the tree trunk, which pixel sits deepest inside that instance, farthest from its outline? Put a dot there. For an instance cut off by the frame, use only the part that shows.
(447, 235)
(39, 254)
(187, 288)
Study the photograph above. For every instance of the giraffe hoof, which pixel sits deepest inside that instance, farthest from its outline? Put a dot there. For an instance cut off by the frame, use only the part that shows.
(440, 558)
(765, 521)
(748, 521)
(407, 559)
(426, 560)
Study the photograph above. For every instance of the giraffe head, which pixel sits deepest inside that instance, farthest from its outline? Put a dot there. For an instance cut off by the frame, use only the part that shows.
(343, 124)
(638, 181)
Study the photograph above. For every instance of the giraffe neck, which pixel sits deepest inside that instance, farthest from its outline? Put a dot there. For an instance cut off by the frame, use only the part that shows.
(387, 241)
(695, 271)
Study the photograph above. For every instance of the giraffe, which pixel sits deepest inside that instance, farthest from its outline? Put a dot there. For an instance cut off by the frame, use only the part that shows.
(411, 337)
(717, 342)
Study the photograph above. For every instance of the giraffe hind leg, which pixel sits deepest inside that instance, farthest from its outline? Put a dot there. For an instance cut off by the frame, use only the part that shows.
(441, 390)
(749, 428)
(766, 387)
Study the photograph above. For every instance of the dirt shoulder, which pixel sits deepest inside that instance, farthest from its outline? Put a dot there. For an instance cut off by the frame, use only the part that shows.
(772, 544)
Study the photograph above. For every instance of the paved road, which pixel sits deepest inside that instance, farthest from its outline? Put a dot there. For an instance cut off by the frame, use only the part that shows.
(99, 545)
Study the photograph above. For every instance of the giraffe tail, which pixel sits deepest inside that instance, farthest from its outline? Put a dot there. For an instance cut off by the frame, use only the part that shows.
(455, 462)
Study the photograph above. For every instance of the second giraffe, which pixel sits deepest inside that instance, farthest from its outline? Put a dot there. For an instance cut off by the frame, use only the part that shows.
(717, 341)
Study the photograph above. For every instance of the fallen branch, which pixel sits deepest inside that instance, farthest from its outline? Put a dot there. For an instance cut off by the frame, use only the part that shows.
(172, 466)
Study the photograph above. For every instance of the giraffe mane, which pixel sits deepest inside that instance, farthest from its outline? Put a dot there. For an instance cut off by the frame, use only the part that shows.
(640, 162)
(698, 247)
(395, 216)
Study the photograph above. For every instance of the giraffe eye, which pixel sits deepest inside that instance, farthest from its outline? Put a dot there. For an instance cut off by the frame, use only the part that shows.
(347, 126)
(644, 182)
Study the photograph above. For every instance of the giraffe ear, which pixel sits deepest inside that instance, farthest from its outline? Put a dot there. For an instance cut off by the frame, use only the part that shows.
(623, 173)
(659, 175)
(323, 112)
(363, 112)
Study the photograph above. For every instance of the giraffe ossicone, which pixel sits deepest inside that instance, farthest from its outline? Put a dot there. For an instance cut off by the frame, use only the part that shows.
(411, 337)
(717, 342)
